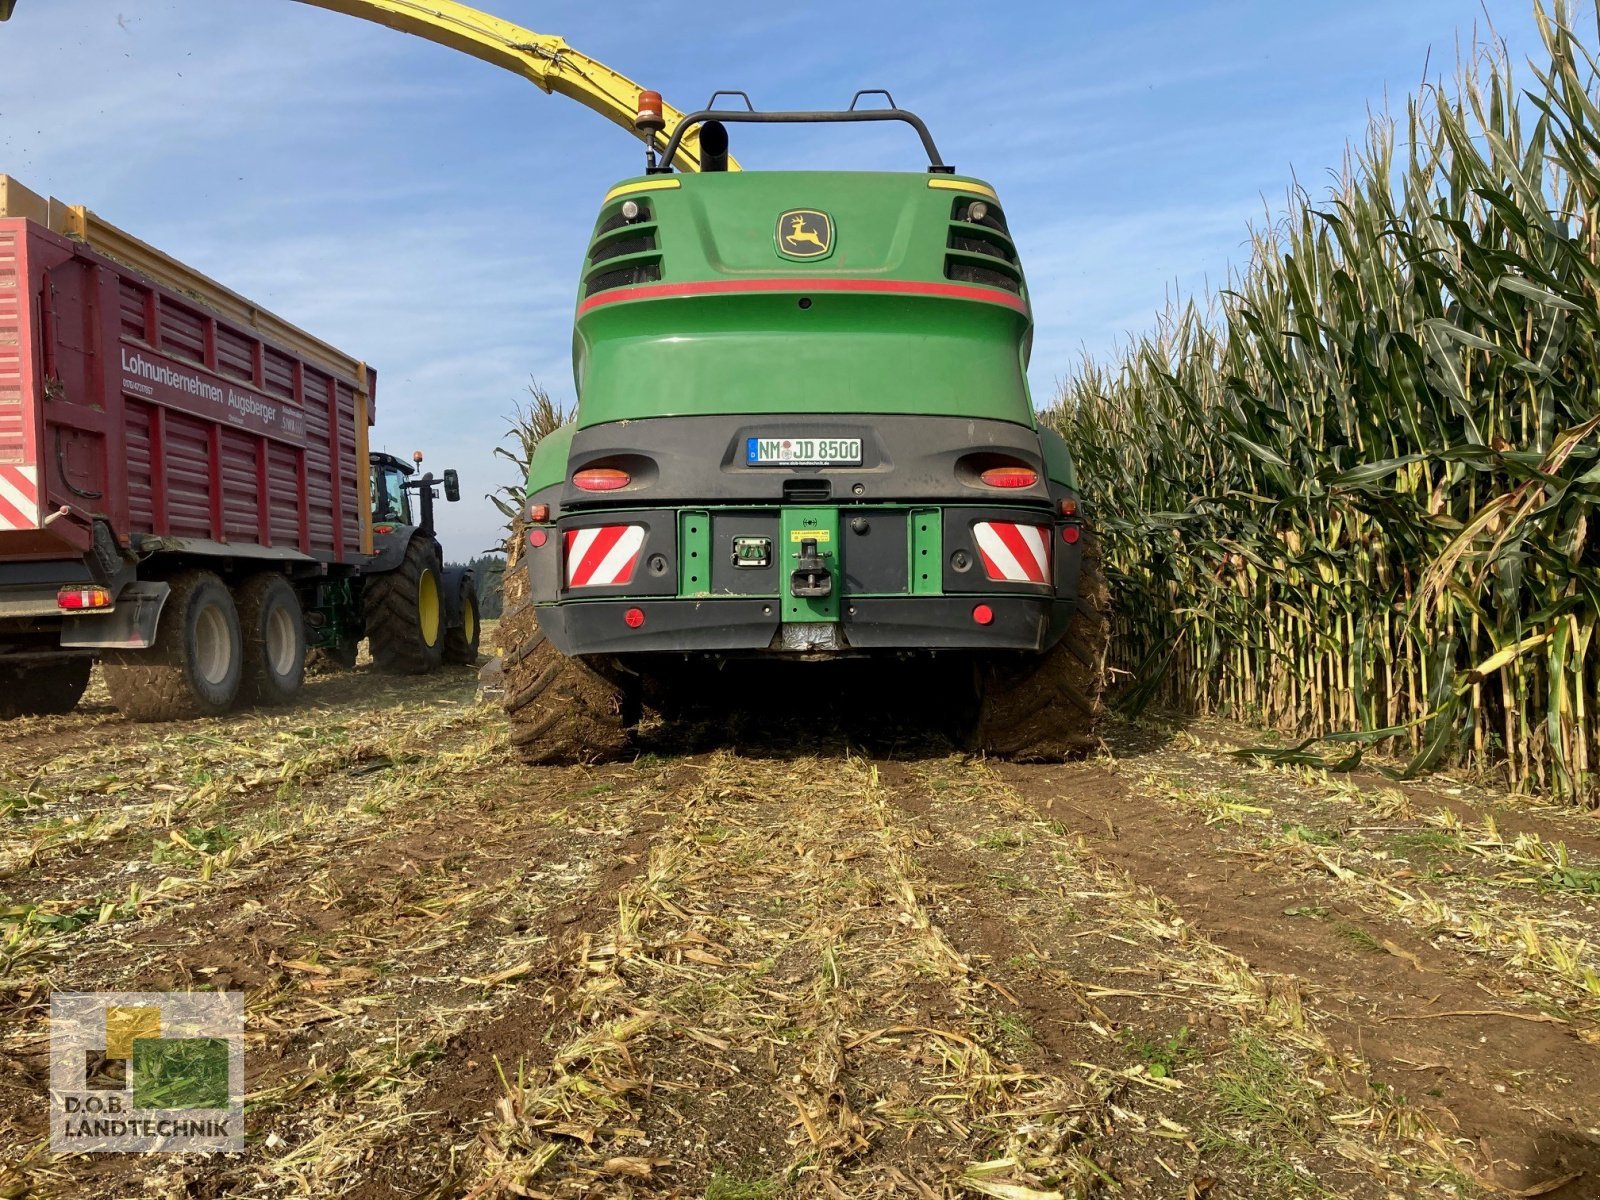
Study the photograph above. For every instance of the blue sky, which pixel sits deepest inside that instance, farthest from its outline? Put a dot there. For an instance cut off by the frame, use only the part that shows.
(428, 213)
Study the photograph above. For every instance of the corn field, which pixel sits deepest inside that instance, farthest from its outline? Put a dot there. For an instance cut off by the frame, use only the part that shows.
(1353, 493)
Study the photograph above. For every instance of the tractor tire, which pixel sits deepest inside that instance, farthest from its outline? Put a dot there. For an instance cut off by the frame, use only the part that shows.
(46, 689)
(461, 643)
(405, 613)
(562, 710)
(1045, 708)
(194, 668)
(274, 631)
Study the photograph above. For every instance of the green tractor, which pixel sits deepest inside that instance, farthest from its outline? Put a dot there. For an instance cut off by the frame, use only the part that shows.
(803, 432)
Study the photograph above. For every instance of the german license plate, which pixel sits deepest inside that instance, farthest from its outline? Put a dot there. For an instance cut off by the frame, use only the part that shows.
(801, 451)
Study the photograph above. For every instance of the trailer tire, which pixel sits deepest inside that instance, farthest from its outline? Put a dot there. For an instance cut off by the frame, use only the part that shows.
(274, 631)
(562, 710)
(44, 690)
(194, 668)
(461, 643)
(405, 613)
(1045, 708)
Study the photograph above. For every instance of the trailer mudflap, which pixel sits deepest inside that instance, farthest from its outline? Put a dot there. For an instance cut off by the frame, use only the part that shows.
(131, 625)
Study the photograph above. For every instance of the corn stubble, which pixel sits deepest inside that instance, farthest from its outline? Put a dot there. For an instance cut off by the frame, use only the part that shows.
(1354, 491)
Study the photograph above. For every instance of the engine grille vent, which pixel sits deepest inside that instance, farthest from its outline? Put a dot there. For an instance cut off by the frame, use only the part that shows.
(981, 245)
(628, 276)
(616, 247)
(966, 272)
(616, 220)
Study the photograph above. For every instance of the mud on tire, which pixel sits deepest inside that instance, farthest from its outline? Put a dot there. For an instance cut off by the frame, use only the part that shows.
(405, 613)
(194, 668)
(562, 710)
(43, 689)
(1044, 708)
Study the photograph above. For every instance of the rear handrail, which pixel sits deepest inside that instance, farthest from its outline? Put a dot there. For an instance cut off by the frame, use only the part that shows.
(751, 115)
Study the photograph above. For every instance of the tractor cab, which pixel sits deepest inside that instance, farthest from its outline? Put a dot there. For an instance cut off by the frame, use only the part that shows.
(391, 502)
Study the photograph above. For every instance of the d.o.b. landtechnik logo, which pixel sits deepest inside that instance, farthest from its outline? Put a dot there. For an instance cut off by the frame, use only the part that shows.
(138, 1071)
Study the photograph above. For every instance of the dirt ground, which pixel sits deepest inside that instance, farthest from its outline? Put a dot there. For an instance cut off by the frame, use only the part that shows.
(773, 959)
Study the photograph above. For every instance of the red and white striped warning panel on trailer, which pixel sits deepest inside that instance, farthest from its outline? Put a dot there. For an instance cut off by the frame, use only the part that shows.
(19, 497)
(1014, 553)
(603, 555)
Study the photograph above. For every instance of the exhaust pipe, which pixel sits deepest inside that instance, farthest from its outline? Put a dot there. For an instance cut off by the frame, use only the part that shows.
(713, 145)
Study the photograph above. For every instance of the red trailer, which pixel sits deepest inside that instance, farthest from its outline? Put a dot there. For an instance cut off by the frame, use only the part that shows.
(186, 490)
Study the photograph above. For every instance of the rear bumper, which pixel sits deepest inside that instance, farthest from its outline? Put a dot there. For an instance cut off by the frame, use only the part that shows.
(753, 626)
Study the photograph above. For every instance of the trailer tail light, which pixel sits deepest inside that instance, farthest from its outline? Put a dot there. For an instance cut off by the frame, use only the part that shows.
(603, 555)
(1017, 476)
(1013, 553)
(538, 513)
(83, 599)
(601, 479)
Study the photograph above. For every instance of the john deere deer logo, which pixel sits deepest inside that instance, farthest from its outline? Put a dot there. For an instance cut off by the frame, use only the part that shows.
(805, 233)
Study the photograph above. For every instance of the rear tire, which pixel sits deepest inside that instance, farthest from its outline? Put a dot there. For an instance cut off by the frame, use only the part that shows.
(1045, 708)
(461, 643)
(46, 689)
(274, 632)
(196, 664)
(561, 709)
(405, 613)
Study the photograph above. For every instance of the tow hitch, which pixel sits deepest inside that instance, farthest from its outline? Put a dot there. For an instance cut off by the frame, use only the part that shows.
(811, 579)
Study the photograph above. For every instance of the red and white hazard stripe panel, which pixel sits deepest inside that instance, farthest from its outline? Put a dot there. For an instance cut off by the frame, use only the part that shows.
(1014, 553)
(603, 555)
(19, 497)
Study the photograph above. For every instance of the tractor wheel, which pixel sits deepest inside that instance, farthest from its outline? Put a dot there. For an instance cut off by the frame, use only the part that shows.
(195, 666)
(461, 643)
(561, 709)
(1045, 708)
(43, 689)
(405, 613)
(274, 640)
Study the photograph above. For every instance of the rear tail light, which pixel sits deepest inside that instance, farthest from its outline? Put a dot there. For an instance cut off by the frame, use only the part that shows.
(1013, 553)
(80, 599)
(1018, 476)
(603, 555)
(601, 479)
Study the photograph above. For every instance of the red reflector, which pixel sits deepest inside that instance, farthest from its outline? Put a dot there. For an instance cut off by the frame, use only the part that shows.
(539, 512)
(537, 538)
(1010, 477)
(1070, 534)
(602, 479)
(82, 598)
(983, 614)
(634, 617)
